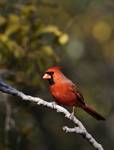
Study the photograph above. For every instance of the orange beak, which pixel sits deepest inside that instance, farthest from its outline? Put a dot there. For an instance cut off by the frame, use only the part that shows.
(46, 76)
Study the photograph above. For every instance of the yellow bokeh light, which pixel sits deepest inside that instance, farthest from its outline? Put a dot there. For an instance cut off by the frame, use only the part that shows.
(108, 51)
(102, 31)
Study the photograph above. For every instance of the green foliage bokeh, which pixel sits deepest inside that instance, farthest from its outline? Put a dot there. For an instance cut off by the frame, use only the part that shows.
(27, 43)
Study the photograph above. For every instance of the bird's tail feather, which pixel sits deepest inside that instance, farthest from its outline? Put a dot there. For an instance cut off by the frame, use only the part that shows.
(92, 112)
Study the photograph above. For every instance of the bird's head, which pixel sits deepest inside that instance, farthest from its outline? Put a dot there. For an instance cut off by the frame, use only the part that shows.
(53, 74)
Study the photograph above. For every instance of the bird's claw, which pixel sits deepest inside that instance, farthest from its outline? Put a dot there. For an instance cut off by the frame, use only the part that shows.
(71, 116)
(53, 104)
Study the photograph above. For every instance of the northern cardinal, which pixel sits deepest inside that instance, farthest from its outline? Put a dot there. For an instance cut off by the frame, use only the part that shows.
(65, 92)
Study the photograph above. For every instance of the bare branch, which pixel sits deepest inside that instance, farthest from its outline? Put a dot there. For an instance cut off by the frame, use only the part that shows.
(79, 127)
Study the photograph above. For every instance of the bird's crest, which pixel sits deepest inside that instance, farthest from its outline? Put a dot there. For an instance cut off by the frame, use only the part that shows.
(55, 68)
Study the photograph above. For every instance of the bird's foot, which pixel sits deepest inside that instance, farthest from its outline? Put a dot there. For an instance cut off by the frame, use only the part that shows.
(71, 116)
(53, 104)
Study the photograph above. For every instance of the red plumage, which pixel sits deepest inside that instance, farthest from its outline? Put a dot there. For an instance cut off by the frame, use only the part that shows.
(65, 92)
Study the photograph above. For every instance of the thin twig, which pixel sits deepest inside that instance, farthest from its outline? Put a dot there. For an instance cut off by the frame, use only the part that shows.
(79, 128)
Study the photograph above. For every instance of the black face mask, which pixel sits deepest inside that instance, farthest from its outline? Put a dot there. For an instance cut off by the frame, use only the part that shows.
(51, 81)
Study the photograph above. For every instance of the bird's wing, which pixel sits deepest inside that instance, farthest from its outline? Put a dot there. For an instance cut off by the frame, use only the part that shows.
(78, 94)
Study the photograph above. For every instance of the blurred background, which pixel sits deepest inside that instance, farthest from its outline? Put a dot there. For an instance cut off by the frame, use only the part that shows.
(75, 34)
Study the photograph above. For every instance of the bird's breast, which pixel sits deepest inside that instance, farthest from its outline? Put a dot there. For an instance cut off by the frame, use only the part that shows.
(63, 94)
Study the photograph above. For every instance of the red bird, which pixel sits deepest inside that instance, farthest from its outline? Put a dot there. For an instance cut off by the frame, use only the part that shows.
(65, 92)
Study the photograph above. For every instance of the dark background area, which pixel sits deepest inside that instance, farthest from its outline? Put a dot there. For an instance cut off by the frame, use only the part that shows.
(75, 34)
